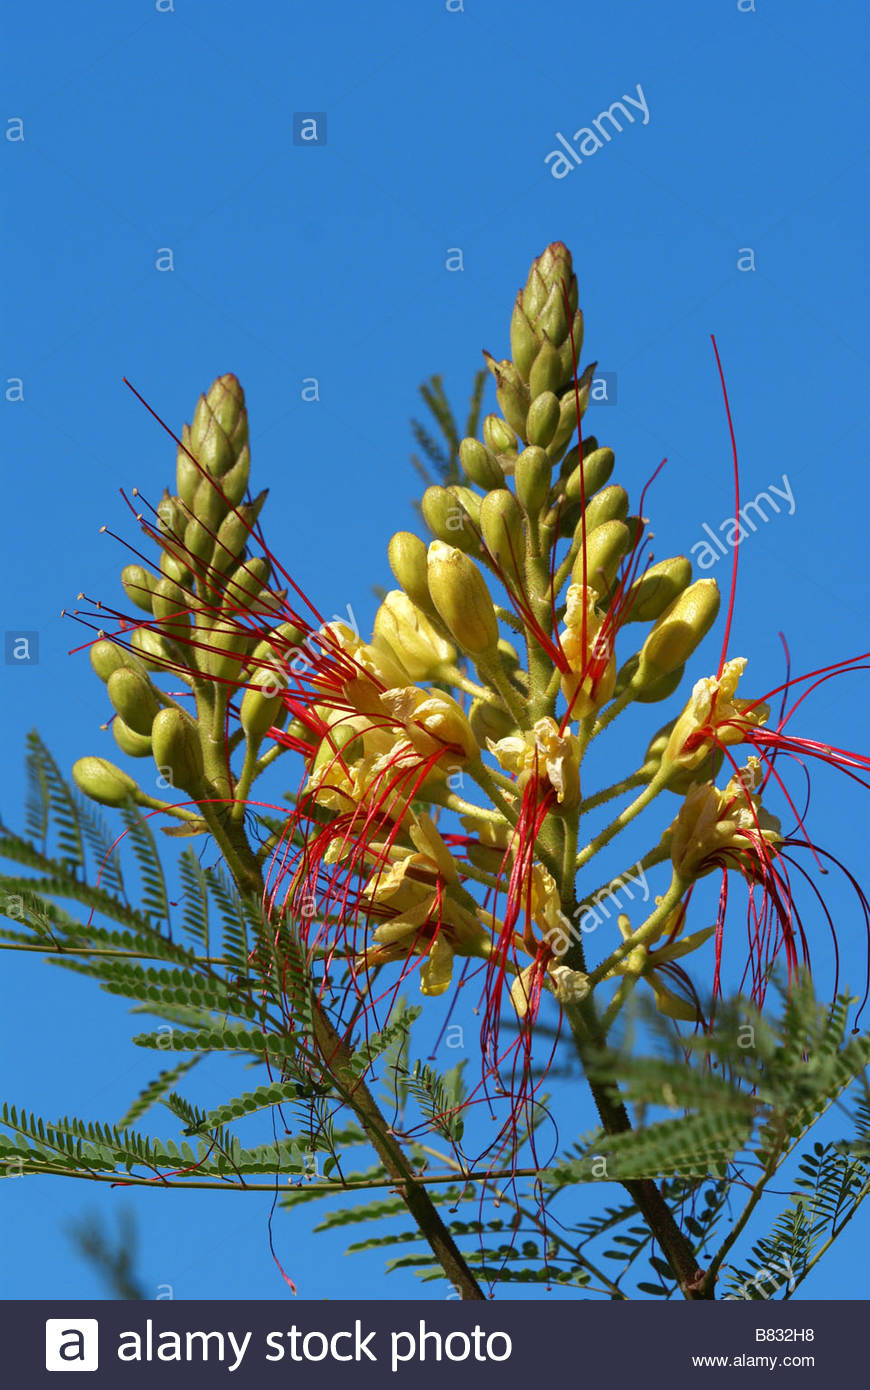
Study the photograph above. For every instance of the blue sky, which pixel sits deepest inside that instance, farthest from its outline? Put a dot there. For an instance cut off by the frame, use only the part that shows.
(146, 130)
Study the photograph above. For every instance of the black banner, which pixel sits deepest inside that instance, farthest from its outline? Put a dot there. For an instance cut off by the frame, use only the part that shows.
(375, 1344)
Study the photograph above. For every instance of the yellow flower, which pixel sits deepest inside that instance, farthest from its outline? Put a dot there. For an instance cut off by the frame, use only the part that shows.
(420, 916)
(590, 683)
(544, 753)
(713, 714)
(723, 826)
(411, 637)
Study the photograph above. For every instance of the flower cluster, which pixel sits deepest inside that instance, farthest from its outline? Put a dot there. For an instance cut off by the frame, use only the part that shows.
(440, 813)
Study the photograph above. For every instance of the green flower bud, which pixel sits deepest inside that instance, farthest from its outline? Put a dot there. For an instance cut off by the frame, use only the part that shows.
(234, 484)
(511, 392)
(552, 273)
(103, 782)
(611, 504)
(567, 422)
(570, 353)
(107, 657)
(501, 523)
(235, 532)
(259, 710)
(532, 473)
(187, 474)
(447, 519)
(275, 650)
(605, 548)
(177, 750)
(524, 340)
(489, 720)
(543, 418)
(228, 649)
(171, 515)
(246, 582)
(198, 543)
(552, 319)
(138, 583)
(170, 608)
(219, 430)
(154, 651)
(652, 592)
(134, 698)
(468, 500)
(498, 436)
(679, 630)
(648, 689)
(173, 566)
(209, 507)
(547, 373)
(479, 464)
(133, 744)
(407, 556)
(595, 470)
(460, 594)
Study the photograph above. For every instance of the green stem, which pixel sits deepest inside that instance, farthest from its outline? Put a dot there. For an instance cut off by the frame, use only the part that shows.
(639, 804)
(627, 784)
(646, 932)
(490, 667)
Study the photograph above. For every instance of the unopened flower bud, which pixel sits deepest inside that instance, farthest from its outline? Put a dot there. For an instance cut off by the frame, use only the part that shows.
(219, 430)
(460, 594)
(177, 750)
(169, 603)
(209, 507)
(107, 657)
(648, 687)
(547, 373)
(407, 556)
(151, 648)
(186, 472)
(259, 709)
(133, 744)
(498, 436)
(511, 392)
(447, 519)
(226, 649)
(479, 464)
(235, 532)
(489, 721)
(605, 548)
(245, 583)
(134, 698)
(172, 516)
(542, 420)
(524, 340)
(679, 630)
(501, 523)
(532, 473)
(103, 782)
(173, 566)
(611, 504)
(652, 592)
(594, 472)
(234, 484)
(138, 584)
